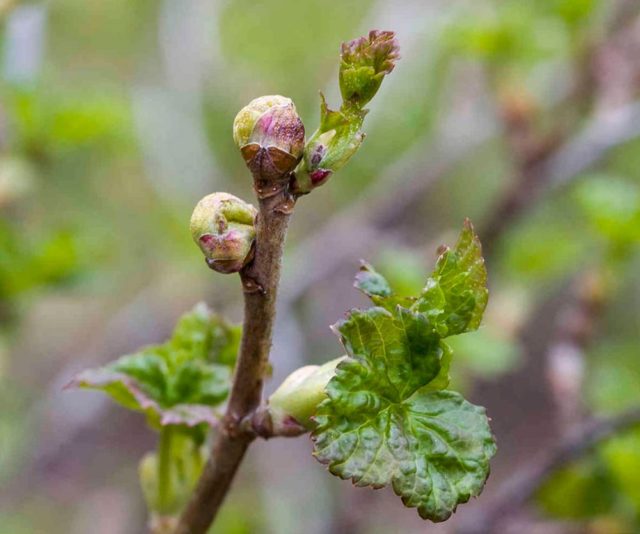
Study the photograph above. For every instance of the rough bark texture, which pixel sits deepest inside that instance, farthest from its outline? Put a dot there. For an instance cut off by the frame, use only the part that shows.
(260, 280)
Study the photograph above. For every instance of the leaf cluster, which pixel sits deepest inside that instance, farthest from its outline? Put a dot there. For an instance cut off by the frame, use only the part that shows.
(388, 418)
(178, 382)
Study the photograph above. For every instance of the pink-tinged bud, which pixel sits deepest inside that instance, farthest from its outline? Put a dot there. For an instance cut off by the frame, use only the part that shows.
(270, 136)
(223, 227)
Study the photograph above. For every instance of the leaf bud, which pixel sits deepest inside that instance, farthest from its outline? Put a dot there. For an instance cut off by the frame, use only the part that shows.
(296, 399)
(222, 225)
(364, 63)
(270, 136)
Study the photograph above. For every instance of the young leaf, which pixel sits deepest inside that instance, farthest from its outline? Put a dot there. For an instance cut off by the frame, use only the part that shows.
(387, 418)
(178, 382)
(433, 448)
(456, 294)
(372, 283)
(364, 64)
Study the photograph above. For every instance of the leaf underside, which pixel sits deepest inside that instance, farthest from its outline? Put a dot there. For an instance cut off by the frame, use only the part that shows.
(387, 419)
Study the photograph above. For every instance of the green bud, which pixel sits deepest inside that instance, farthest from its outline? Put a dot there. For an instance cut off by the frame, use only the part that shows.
(364, 63)
(296, 399)
(222, 225)
(337, 139)
(270, 136)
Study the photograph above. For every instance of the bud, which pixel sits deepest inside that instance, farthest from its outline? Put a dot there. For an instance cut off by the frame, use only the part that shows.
(296, 399)
(364, 63)
(270, 136)
(223, 227)
(337, 139)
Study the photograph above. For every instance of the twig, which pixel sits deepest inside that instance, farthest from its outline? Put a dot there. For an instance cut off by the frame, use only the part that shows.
(517, 490)
(539, 166)
(565, 358)
(260, 281)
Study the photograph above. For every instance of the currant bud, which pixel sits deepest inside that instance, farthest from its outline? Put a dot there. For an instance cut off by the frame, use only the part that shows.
(296, 399)
(270, 136)
(222, 225)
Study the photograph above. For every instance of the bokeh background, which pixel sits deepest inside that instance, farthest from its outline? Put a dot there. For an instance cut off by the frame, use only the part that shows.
(115, 118)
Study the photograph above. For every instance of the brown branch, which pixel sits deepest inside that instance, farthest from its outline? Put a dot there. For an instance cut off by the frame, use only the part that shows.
(517, 490)
(565, 359)
(540, 163)
(260, 280)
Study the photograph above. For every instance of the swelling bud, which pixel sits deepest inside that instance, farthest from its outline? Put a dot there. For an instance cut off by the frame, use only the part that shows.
(270, 136)
(296, 399)
(222, 226)
(364, 63)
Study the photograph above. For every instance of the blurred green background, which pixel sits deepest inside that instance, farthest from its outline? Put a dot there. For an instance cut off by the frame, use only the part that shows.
(115, 118)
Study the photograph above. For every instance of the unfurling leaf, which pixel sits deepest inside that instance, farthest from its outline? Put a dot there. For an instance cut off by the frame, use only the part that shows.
(387, 419)
(364, 63)
(178, 382)
(456, 294)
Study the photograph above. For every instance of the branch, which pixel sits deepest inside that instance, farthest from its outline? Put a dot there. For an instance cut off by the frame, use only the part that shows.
(260, 280)
(565, 359)
(540, 167)
(517, 490)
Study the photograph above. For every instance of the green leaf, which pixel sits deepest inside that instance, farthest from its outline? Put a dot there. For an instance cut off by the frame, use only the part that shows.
(456, 294)
(396, 354)
(178, 382)
(433, 448)
(387, 418)
(372, 283)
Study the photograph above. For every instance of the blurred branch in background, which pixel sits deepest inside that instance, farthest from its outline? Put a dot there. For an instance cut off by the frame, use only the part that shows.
(521, 486)
(560, 165)
(566, 359)
(393, 194)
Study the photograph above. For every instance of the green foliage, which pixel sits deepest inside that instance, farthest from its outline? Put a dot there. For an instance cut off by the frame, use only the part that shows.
(519, 32)
(387, 418)
(613, 383)
(545, 247)
(588, 484)
(178, 382)
(605, 483)
(25, 265)
(45, 125)
(612, 208)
